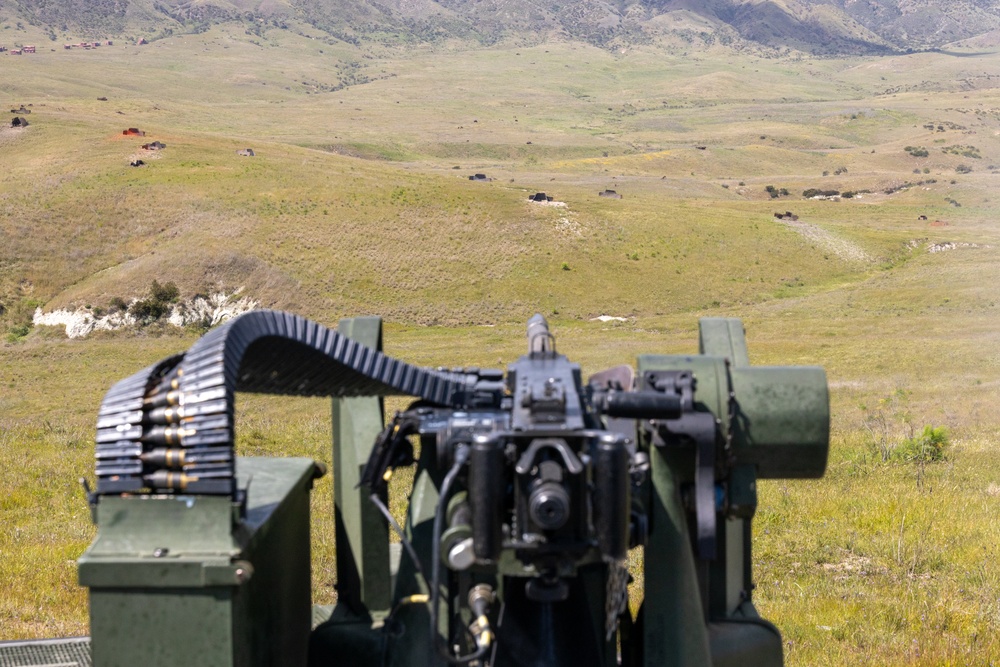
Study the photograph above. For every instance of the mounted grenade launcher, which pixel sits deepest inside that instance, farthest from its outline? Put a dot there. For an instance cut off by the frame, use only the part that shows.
(530, 491)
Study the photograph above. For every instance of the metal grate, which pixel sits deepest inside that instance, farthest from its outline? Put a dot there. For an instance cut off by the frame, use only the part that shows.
(72, 652)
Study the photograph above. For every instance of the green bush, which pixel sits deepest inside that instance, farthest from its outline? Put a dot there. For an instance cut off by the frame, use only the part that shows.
(148, 310)
(816, 192)
(17, 332)
(164, 293)
(157, 304)
(16, 319)
(927, 447)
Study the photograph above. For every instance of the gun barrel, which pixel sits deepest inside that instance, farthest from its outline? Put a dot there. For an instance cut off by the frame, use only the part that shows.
(640, 405)
(539, 336)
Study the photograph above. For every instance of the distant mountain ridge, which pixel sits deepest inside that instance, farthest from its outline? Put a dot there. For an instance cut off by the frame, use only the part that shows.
(819, 26)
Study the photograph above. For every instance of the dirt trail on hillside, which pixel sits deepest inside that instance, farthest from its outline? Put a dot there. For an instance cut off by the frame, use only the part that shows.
(842, 248)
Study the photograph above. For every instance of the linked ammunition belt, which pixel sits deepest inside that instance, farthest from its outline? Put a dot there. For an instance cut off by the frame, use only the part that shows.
(169, 427)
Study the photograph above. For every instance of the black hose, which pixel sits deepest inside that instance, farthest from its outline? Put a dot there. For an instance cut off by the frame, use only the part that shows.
(399, 531)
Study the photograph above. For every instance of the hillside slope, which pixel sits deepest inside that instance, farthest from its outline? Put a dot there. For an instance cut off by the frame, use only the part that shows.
(820, 26)
(358, 198)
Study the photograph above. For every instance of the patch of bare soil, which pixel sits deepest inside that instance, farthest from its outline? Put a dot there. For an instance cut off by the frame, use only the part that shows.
(842, 248)
(9, 134)
(853, 566)
(145, 156)
(951, 245)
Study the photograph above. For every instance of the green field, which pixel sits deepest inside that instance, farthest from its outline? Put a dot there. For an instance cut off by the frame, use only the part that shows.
(358, 202)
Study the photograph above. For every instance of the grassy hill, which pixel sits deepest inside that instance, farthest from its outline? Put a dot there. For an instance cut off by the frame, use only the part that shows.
(358, 202)
(324, 217)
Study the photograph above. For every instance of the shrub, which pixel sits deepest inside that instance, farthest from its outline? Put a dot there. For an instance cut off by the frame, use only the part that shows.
(815, 192)
(926, 447)
(17, 332)
(148, 310)
(964, 151)
(157, 304)
(164, 293)
(18, 318)
(963, 169)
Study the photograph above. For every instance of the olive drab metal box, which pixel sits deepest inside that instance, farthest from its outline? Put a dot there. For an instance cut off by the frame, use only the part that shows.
(193, 580)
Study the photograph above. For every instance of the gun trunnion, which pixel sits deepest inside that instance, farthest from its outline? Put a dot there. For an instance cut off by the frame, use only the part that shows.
(531, 489)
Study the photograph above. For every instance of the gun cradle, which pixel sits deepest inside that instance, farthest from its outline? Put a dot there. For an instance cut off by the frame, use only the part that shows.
(530, 489)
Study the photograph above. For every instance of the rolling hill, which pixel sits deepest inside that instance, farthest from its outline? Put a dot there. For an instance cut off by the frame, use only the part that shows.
(358, 198)
(817, 26)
